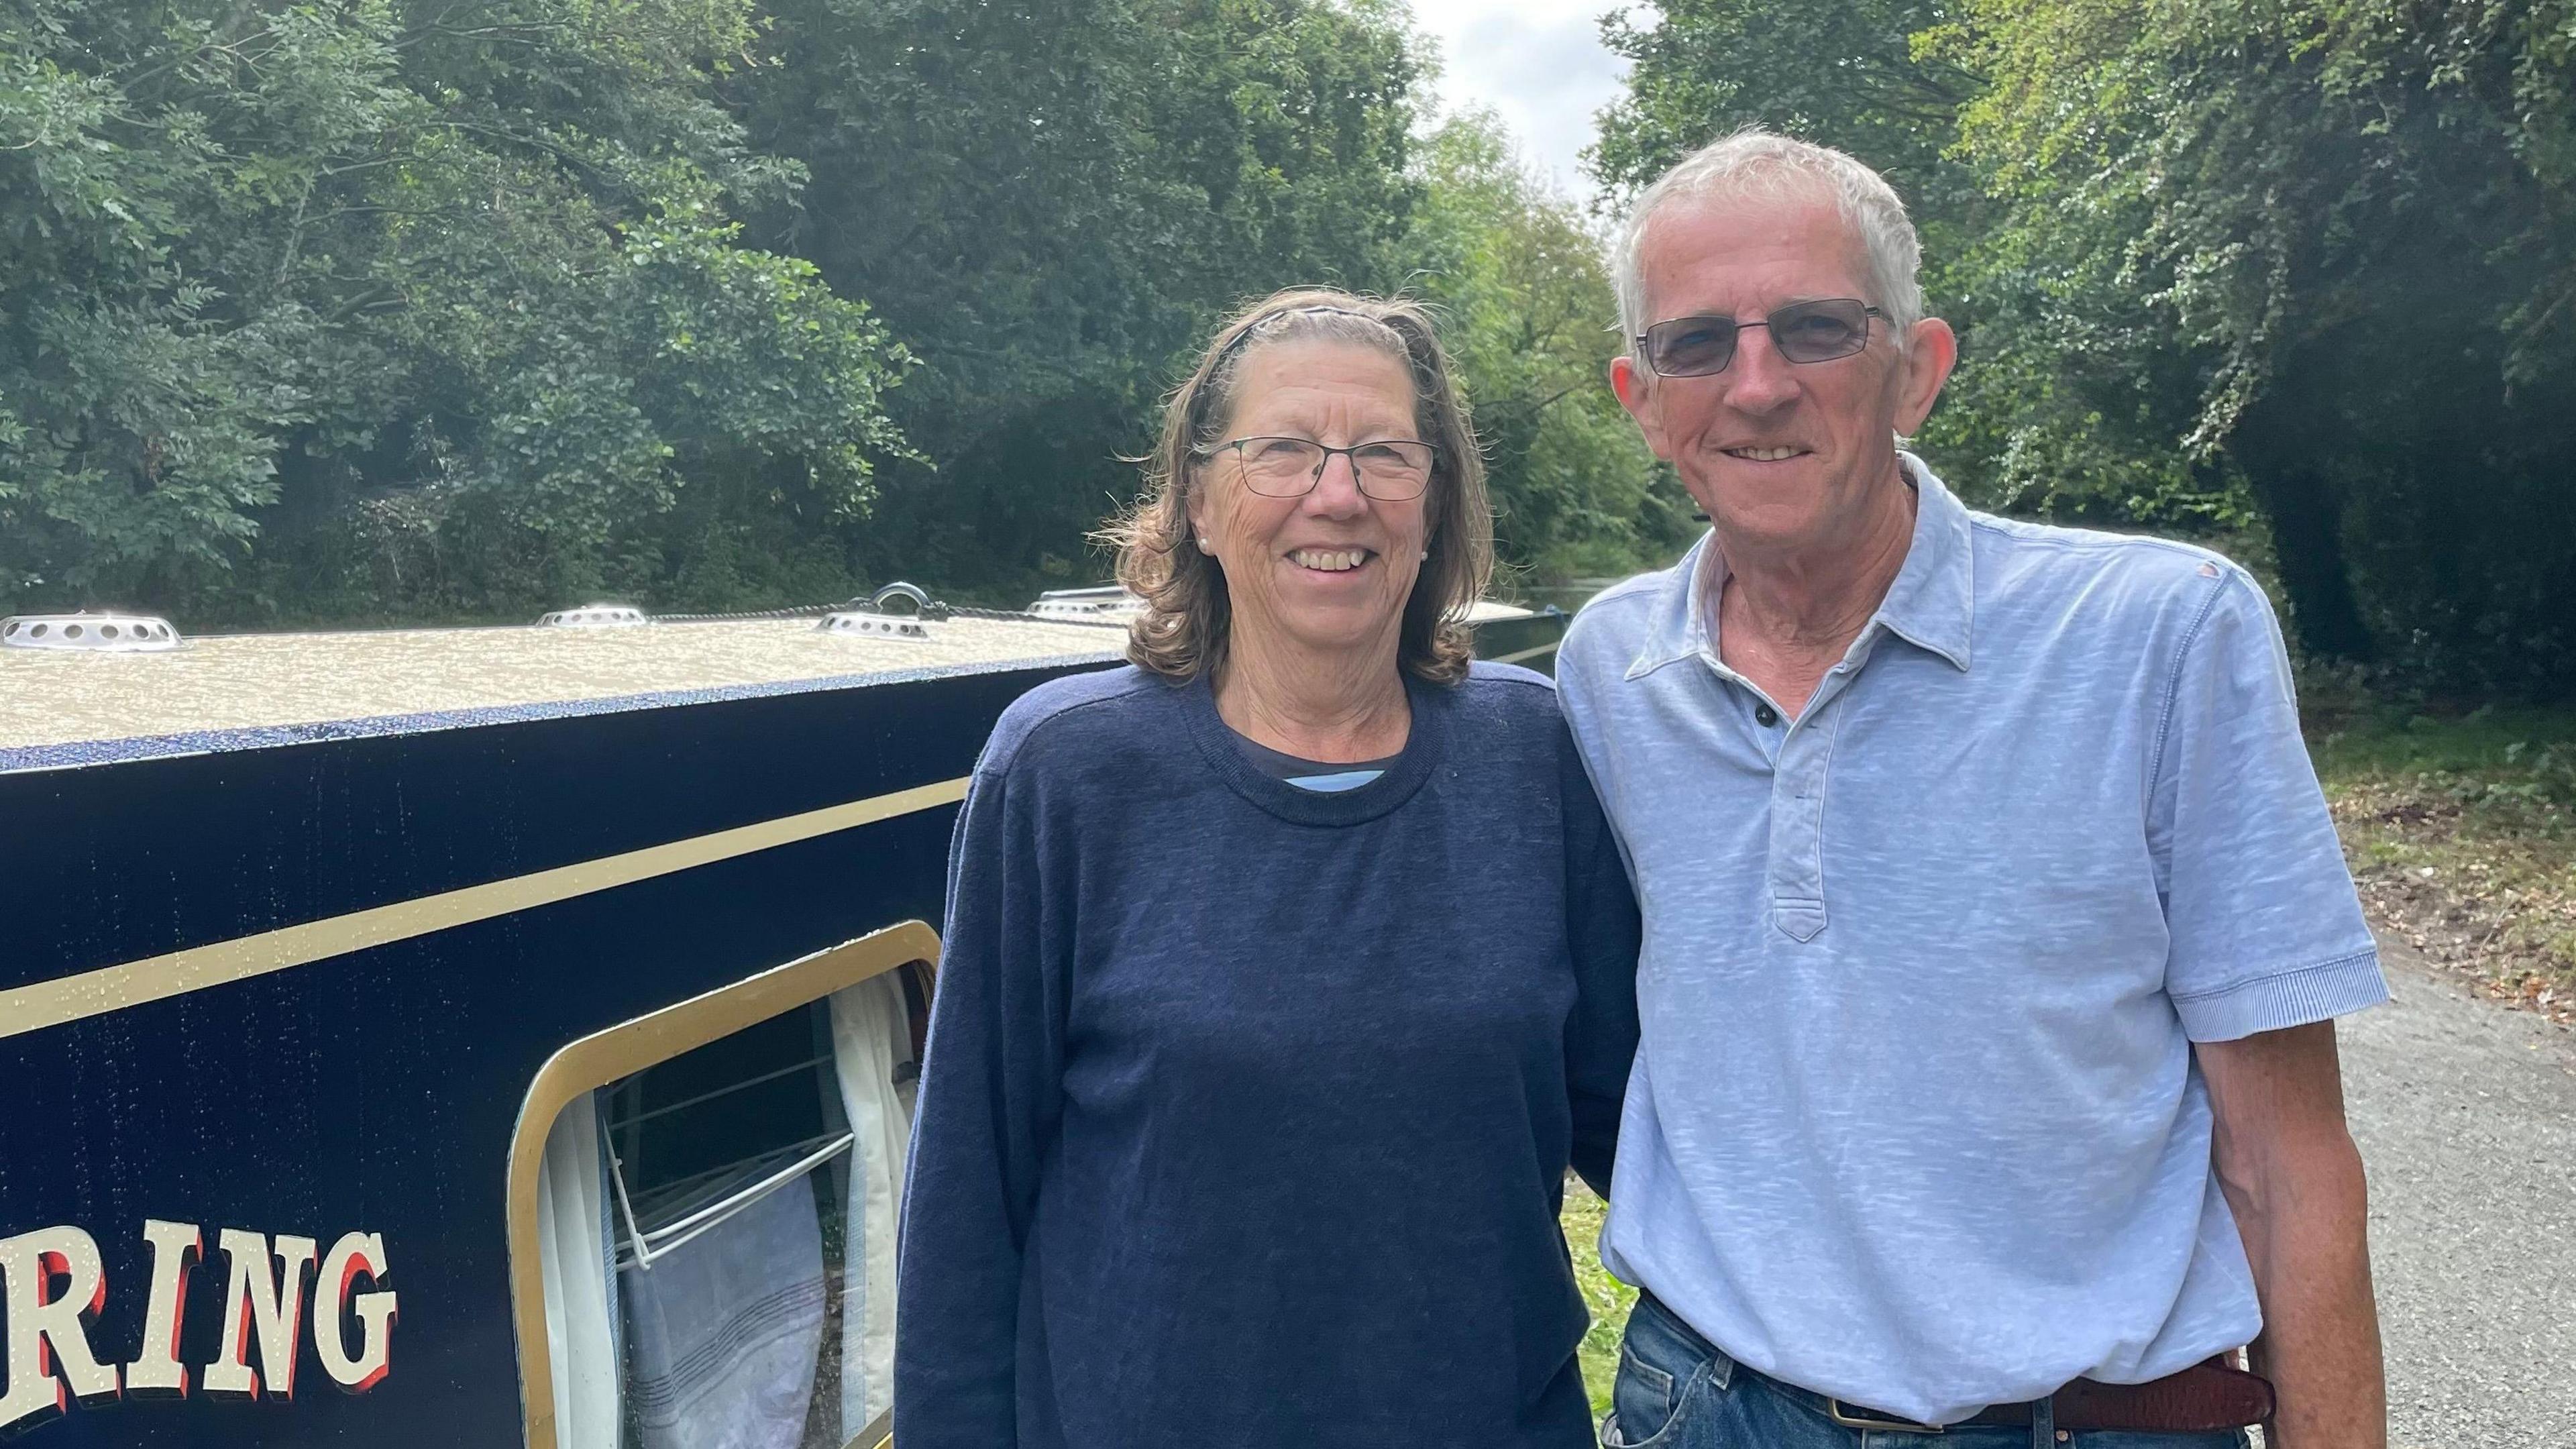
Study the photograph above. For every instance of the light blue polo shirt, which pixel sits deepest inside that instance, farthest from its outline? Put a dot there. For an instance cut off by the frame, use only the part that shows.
(1916, 1121)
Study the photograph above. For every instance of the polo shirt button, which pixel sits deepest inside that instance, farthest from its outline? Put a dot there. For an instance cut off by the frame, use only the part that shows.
(1765, 716)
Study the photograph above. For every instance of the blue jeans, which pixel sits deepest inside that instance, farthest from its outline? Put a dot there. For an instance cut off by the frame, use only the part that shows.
(1674, 1391)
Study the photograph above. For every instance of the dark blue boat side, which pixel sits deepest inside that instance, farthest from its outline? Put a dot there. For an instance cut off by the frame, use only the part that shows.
(376, 1091)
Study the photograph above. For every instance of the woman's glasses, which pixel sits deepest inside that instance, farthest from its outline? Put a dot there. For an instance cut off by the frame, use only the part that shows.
(1390, 470)
(1803, 331)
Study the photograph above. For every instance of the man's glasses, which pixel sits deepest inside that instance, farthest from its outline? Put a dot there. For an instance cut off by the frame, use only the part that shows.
(1803, 331)
(1390, 470)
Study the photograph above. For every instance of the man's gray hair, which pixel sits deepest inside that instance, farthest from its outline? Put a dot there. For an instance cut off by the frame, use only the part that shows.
(1759, 165)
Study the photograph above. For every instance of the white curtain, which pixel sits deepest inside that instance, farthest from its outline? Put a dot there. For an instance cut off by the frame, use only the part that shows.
(871, 1044)
(576, 1251)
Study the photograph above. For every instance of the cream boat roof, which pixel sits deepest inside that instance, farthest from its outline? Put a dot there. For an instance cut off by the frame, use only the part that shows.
(240, 690)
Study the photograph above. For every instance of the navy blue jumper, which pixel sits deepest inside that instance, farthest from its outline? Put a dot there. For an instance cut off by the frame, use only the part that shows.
(1246, 1111)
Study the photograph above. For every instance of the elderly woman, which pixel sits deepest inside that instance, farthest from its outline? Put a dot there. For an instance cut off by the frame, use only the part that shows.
(1286, 970)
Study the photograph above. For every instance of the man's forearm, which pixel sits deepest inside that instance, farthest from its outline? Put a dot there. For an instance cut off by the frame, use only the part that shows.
(2291, 1173)
(2305, 1233)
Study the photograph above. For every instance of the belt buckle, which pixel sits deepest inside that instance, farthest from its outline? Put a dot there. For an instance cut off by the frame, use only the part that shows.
(1869, 1419)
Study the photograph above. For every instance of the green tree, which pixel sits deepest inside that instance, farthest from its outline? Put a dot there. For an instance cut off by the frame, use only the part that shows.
(1050, 204)
(2352, 219)
(1529, 317)
(375, 308)
(1847, 75)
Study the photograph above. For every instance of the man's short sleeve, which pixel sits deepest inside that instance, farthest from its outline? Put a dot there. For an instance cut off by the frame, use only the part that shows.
(2266, 931)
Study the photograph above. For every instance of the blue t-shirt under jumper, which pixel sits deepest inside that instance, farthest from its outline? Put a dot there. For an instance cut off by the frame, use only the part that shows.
(1305, 774)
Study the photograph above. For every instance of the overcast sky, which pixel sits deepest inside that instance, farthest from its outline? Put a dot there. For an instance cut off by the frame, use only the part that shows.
(1537, 62)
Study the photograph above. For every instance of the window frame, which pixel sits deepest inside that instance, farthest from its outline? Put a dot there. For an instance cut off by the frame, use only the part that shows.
(629, 1047)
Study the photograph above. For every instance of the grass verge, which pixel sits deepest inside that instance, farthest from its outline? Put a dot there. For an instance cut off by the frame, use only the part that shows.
(2461, 833)
(1607, 1297)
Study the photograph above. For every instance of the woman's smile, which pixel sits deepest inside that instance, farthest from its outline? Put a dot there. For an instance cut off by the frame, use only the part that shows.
(1330, 560)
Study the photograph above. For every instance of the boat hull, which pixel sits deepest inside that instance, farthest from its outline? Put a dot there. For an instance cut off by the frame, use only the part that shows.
(456, 904)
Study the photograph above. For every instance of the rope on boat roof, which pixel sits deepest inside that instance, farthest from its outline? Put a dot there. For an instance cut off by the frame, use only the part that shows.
(931, 609)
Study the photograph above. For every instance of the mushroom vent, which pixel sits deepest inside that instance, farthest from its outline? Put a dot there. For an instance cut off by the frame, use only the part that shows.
(1107, 605)
(90, 633)
(595, 616)
(880, 626)
(876, 622)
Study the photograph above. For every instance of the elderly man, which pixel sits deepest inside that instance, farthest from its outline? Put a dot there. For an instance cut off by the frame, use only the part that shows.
(1994, 921)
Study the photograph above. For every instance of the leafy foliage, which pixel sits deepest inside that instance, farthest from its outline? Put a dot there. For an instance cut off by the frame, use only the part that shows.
(1531, 321)
(1846, 75)
(1051, 202)
(412, 310)
(2356, 218)
(437, 306)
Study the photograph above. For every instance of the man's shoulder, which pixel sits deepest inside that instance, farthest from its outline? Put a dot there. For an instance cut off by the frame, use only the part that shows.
(1075, 714)
(2133, 578)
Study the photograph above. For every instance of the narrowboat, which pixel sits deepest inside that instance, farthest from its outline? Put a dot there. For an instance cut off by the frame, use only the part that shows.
(497, 1036)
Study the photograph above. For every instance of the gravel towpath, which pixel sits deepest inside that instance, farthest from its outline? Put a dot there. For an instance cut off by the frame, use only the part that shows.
(2466, 1116)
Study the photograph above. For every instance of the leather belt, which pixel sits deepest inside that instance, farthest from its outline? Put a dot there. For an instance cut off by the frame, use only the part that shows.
(2206, 1398)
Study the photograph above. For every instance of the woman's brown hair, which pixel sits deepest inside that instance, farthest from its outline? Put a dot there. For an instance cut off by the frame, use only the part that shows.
(1182, 632)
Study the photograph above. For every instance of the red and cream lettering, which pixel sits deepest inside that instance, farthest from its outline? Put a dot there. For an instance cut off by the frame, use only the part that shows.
(156, 1372)
(256, 1298)
(353, 1255)
(53, 1285)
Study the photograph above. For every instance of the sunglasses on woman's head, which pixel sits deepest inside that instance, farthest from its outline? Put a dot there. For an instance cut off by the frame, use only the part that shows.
(1803, 331)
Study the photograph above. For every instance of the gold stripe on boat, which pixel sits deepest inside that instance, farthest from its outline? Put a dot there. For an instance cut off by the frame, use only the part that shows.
(176, 973)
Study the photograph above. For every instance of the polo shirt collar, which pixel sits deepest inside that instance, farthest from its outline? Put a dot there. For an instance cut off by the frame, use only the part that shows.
(1933, 601)
(1931, 605)
(1678, 630)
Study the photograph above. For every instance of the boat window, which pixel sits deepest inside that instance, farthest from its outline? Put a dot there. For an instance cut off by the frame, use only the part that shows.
(702, 1225)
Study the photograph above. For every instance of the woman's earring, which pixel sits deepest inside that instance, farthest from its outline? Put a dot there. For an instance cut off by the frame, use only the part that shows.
(1206, 547)
(1426, 553)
